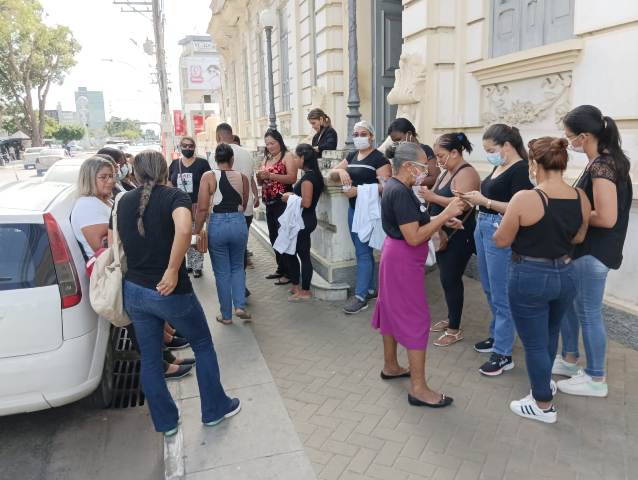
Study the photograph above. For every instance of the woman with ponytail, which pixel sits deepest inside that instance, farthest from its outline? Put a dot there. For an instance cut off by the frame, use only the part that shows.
(607, 184)
(154, 223)
(541, 226)
(457, 176)
(505, 151)
(325, 137)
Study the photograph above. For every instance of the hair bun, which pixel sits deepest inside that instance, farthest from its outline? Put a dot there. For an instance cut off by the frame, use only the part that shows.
(558, 145)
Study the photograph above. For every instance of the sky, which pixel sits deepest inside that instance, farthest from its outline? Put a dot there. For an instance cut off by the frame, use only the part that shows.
(111, 61)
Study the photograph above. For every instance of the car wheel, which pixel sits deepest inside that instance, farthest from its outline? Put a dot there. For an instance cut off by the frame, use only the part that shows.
(102, 397)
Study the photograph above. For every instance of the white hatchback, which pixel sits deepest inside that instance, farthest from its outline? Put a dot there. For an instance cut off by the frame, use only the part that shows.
(54, 348)
(29, 155)
(49, 156)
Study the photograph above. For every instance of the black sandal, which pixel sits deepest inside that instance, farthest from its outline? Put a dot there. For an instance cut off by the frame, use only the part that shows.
(385, 376)
(279, 282)
(273, 276)
(444, 402)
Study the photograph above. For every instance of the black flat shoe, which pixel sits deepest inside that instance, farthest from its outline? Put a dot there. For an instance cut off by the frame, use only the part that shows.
(182, 371)
(392, 377)
(187, 361)
(279, 282)
(272, 276)
(444, 402)
(177, 343)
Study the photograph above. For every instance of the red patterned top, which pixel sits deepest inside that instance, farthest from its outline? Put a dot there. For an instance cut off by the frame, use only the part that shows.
(271, 190)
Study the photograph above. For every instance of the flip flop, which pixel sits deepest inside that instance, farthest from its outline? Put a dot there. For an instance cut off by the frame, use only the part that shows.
(283, 283)
(272, 276)
(385, 376)
(444, 402)
(222, 321)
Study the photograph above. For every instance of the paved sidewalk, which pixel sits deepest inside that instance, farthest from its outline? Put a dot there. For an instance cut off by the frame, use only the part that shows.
(355, 426)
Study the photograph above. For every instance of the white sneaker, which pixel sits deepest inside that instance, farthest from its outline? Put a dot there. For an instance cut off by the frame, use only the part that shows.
(528, 408)
(563, 368)
(582, 384)
(552, 386)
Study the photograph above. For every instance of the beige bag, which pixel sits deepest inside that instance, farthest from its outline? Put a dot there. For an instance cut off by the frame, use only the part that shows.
(107, 278)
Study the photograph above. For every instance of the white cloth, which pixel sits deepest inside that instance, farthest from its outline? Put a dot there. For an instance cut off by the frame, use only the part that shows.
(88, 211)
(290, 223)
(366, 222)
(242, 162)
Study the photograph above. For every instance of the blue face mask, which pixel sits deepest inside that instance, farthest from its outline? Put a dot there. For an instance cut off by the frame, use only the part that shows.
(495, 159)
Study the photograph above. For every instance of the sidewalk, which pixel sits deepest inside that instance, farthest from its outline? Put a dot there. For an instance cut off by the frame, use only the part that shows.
(355, 426)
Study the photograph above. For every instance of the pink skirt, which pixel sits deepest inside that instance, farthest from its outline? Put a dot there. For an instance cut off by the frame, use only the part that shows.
(402, 307)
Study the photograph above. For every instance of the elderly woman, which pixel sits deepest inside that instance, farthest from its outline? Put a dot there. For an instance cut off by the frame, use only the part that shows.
(401, 314)
(92, 210)
(361, 167)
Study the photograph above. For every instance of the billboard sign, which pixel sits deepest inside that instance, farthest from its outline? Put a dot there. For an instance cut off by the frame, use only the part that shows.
(180, 125)
(202, 73)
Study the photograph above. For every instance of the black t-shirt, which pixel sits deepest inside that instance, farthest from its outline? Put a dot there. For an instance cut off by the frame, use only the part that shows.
(364, 172)
(399, 206)
(503, 187)
(147, 257)
(309, 214)
(190, 176)
(606, 244)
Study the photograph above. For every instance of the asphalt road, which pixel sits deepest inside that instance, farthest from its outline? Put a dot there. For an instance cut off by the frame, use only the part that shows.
(78, 442)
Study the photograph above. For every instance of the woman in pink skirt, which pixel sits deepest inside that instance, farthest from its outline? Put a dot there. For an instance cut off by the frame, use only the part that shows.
(401, 314)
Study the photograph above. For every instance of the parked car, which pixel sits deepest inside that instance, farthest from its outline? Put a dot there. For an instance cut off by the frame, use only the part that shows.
(54, 349)
(48, 157)
(29, 155)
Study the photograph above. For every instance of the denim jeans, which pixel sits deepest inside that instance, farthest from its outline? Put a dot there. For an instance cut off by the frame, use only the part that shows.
(227, 239)
(493, 266)
(365, 262)
(587, 312)
(540, 295)
(148, 311)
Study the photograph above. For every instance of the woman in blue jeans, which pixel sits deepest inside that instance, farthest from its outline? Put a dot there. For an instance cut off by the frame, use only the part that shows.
(227, 231)
(154, 223)
(542, 225)
(606, 182)
(506, 152)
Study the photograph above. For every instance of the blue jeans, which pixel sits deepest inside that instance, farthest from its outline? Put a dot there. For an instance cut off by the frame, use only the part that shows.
(540, 294)
(148, 311)
(493, 266)
(227, 239)
(365, 262)
(587, 312)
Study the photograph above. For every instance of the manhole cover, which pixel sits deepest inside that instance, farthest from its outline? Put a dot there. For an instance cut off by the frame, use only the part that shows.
(126, 372)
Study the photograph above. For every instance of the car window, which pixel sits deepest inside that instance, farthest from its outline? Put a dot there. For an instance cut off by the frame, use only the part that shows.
(25, 257)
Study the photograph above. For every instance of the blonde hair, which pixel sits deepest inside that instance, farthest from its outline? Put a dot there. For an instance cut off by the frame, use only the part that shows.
(87, 185)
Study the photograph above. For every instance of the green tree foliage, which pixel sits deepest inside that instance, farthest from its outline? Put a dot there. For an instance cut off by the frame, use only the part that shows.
(123, 127)
(33, 56)
(67, 133)
(50, 127)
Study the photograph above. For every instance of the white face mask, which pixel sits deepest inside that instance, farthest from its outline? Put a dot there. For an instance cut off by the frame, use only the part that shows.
(578, 149)
(361, 143)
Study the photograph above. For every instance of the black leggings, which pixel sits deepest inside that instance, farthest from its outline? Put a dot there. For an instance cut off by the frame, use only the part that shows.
(303, 252)
(249, 220)
(452, 263)
(273, 212)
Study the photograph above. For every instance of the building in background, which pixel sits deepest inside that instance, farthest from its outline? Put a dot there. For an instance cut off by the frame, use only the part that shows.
(63, 117)
(199, 83)
(89, 106)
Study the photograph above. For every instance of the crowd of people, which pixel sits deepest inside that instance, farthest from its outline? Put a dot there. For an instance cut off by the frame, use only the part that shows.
(543, 247)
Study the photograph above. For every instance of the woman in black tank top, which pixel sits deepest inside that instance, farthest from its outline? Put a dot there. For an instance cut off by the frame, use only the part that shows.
(542, 227)
(457, 176)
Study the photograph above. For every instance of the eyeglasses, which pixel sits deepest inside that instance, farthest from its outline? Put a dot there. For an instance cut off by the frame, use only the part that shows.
(104, 178)
(188, 146)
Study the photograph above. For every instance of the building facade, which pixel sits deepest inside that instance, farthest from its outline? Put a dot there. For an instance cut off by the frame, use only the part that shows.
(447, 65)
(89, 106)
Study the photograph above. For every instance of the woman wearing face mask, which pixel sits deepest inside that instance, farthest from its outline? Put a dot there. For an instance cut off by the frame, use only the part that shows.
(276, 176)
(361, 167)
(186, 173)
(401, 314)
(326, 136)
(506, 152)
(402, 130)
(126, 173)
(541, 226)
(607, 184)
(458, 176)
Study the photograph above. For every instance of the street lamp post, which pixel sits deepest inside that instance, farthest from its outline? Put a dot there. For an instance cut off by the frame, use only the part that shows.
(354, 115)
(268, 20)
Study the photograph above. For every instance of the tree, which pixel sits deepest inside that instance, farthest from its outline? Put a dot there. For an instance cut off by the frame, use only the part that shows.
(123, 127)
(50, 127)
(32, 57)
(67, 133)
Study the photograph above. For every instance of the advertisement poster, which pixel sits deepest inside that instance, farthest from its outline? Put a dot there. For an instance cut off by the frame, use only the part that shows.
(180, 125)
(203, 73)
(198, 123)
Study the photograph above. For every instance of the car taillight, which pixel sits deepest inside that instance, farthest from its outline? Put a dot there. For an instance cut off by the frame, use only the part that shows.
(68, 282)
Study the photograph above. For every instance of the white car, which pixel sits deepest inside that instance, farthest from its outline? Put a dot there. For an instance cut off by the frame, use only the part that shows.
(54, 349)
(48, 157)
(29, 155)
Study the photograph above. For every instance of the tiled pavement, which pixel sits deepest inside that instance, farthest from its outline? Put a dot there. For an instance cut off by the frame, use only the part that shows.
(355, 426)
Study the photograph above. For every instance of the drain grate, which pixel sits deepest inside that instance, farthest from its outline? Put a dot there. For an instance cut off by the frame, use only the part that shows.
(127, 391)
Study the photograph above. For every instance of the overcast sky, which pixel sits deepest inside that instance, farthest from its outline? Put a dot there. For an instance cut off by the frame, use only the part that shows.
(106, 33)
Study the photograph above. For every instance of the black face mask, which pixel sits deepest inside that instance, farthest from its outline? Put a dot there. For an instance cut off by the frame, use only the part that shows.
(188, 152)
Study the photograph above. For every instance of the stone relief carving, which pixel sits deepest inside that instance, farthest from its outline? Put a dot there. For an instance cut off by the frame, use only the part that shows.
(409, 80)
(555, 92)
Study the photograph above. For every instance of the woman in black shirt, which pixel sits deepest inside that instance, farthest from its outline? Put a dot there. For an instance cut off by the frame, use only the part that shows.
(607, 184)
(326, 136)
(186, 173)
(505, 151)
(309, 188)
(541, 226)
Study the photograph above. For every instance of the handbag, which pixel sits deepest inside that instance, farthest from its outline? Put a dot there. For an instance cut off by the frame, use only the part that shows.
(105, 291)
(444, 238)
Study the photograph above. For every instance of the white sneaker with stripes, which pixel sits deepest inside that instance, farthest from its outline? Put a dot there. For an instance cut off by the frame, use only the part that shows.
(528, 408)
